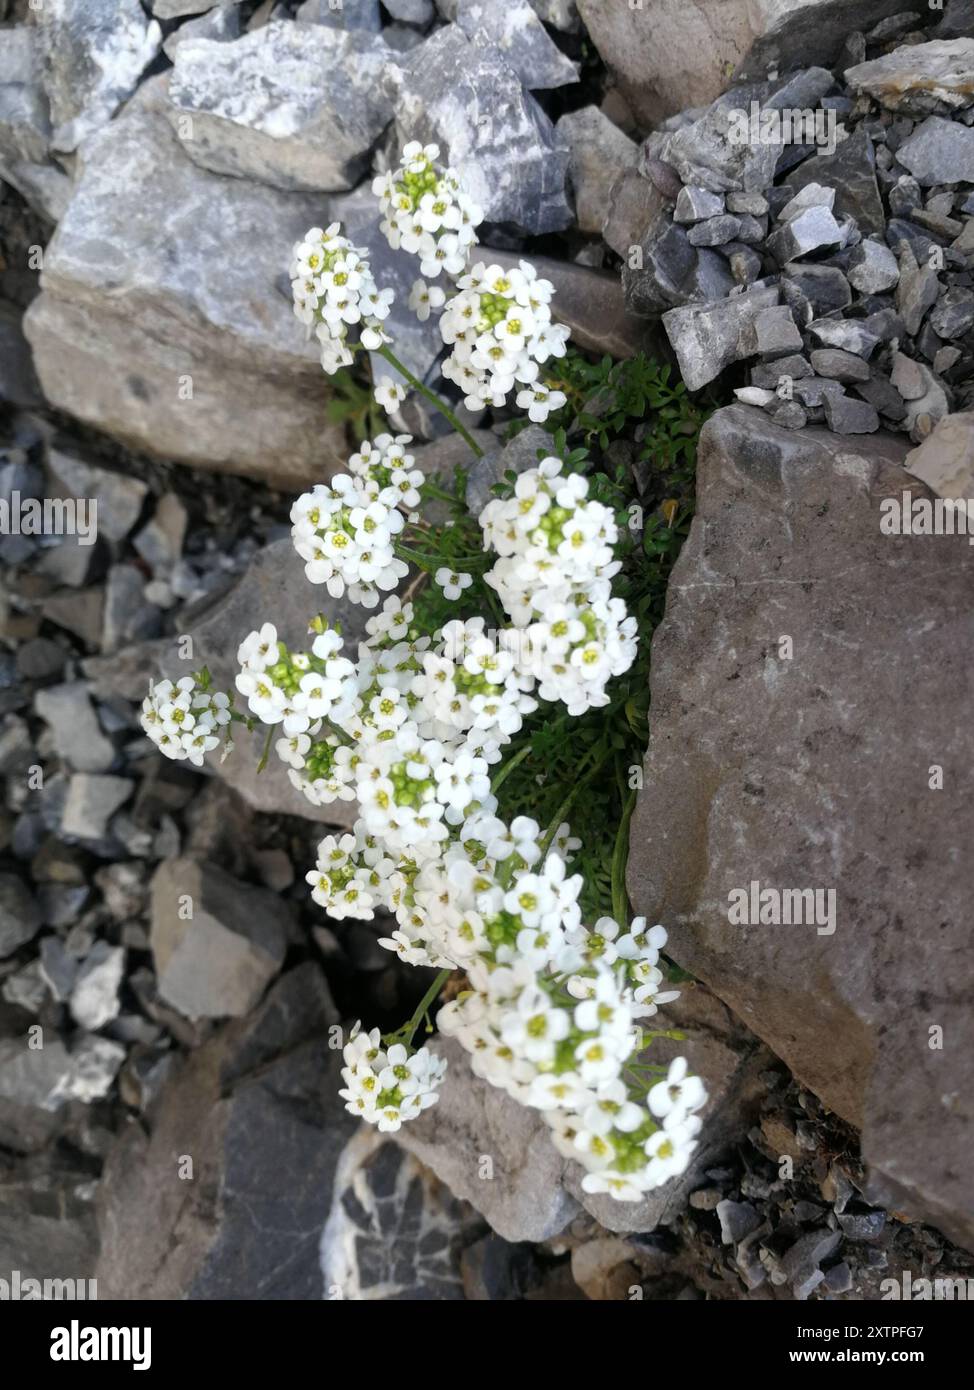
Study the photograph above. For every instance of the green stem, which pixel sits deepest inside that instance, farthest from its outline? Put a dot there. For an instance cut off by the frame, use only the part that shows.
(414, 381)
(267, 749)
(620, 856)
(407, 1032)
(509, 767)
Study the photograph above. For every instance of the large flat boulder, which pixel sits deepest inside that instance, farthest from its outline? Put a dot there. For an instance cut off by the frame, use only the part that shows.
(810, 729)
(165, 315)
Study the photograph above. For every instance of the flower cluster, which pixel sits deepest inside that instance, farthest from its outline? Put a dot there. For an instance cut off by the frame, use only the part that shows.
(344, 530)
(413, 724)
(554, 578)
(426, 212)
(388, 1086)
(500, 329)
(184, 720)
(333, 290)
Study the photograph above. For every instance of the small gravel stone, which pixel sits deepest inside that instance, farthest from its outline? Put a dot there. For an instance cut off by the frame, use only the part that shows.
(846, 415)
(839, 365)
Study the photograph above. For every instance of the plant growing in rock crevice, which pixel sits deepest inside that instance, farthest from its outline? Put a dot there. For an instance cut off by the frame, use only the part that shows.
(479, 708)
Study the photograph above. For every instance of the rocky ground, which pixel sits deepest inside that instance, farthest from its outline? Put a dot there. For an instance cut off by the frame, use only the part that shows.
(164, 250)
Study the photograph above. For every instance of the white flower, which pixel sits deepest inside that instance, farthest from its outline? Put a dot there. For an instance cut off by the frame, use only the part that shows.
(423, 298)
(333, 290)
(389, 394)
(679, 1093)
(539, 402)
(451, 583)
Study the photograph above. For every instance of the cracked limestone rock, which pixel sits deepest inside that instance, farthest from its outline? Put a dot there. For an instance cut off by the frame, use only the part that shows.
(919, 79)
(516, 32)
(469, 101)
(298, 107)
(193, 356)
(94, 56)
(600, 153)
(709, 337)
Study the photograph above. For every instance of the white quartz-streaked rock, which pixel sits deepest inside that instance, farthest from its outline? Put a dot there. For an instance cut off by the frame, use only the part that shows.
(298, 107)
(94, 56)
(919, 78)
(467, 100)
(516, 32)
(182, 340)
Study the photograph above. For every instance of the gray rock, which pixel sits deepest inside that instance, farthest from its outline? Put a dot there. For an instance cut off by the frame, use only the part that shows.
(919, 78)
(46, 1078)
(494, 134)
(40, 659)
(177, 9)
(839, 365)
(361, 14)
(953, 313)
(59, 968)
(737, 1220)
(119, 341)
(599, 153)
(907, 377)
(823, 287)
(673, 272)
(394, 1231)
(25, 988)
(904, 196)
(715, 231)
(128, 615)
(790, 415)
(709, 337)
(851, 171)
(298, 108)
(745, 264)
(846, 415)
(94, 56)
(813, 195)
(20, 915)
(775, 334)
(513, 30)
(939, 151)
(882, 395)
(801, 1264)
(873, 268)
(160, 541)
(698, 205)
(120, 496)
(419, 12)
(916, 291)
(257, 1109)
(866, 1225)
(839, 1009)
(91, 802)
(78, 736)
(25, 126)
(94, 998)
(222, 25)
(769, 374)
(809, 230)
(525, 1199)
(751, 204)
(633, 206)
(711, 153)
(849, 334)
(217, 962)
